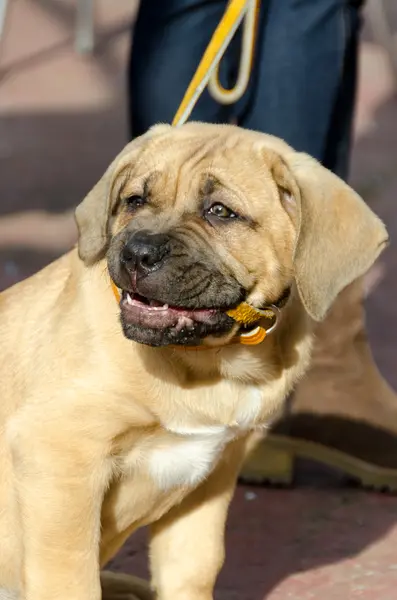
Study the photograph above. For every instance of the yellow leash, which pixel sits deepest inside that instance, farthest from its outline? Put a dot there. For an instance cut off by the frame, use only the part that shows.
(208, 69)
(207, 73)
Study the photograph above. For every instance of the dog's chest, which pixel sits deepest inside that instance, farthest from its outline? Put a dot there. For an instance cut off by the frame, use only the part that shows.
(183, 455)
(186, 456)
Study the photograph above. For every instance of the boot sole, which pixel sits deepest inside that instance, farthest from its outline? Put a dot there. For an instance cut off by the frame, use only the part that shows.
(273, 462)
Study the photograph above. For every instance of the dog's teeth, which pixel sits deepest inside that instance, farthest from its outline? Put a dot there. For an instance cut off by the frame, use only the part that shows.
(159, 307)
(129, 299)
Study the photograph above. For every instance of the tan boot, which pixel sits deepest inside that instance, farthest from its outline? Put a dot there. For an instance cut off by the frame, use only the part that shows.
(117, 586)
(343, 413)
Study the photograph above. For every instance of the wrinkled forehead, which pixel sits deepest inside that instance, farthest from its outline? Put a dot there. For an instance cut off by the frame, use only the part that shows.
(184, 164)
(195, 151)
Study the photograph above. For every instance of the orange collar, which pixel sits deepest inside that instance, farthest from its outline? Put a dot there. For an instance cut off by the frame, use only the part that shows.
(250, 338)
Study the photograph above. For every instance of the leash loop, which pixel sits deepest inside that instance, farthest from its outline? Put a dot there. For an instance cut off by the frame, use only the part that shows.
(208, 68)
(215, 88)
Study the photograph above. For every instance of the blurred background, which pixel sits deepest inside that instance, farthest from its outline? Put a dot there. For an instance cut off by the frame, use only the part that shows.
(63, 118)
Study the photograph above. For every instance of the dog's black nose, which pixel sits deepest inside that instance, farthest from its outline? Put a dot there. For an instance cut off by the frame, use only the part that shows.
(145, 251)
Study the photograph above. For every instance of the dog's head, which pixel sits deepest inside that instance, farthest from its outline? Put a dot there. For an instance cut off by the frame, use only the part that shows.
(196, 219)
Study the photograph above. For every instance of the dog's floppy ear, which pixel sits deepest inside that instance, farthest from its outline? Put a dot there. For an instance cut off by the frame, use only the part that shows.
(338, 237)
(92, 219)
(92, 214)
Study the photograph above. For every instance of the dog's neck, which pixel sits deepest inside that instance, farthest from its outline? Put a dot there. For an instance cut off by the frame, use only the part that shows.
(251, 364)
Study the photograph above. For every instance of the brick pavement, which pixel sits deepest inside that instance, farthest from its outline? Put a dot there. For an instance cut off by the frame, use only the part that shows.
(62, 120)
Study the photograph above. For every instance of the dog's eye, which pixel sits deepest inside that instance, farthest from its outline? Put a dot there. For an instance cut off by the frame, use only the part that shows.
(135, 201)
(221, 211)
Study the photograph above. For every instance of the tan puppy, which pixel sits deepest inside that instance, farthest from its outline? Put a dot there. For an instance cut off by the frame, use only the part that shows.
(100, 434)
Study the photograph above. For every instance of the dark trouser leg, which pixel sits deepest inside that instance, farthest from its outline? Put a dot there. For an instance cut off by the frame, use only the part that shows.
(304, 83)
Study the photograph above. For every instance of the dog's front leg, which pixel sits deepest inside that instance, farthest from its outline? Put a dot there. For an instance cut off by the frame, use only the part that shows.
(60, 480)
(187, 544)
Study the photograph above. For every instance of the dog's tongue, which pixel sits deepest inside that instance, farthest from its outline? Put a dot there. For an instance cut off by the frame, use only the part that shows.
(156, 315)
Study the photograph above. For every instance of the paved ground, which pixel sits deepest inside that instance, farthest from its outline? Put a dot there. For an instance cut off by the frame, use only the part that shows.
(62, 120)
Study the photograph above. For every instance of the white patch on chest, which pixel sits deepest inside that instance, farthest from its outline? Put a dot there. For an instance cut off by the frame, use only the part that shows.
(188, 457)
(249, 408)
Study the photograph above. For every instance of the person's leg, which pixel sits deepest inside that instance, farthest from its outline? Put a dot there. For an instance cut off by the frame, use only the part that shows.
(169, 40)
(338, 145)
(304, 83)
(304, 92)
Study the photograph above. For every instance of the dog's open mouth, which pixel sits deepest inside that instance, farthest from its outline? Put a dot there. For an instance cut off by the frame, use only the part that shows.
(150, 313)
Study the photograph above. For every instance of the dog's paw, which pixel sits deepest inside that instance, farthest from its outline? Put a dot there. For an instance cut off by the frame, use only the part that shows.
(117, 586)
